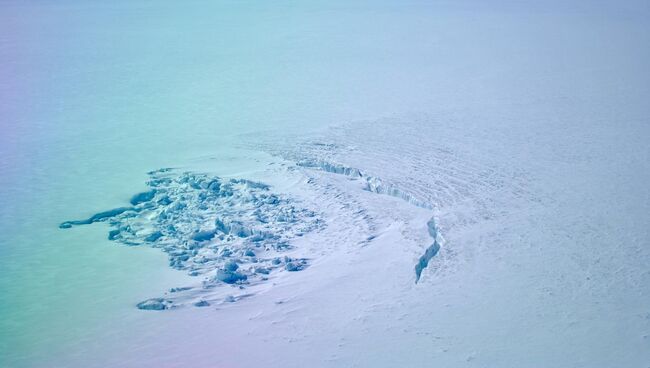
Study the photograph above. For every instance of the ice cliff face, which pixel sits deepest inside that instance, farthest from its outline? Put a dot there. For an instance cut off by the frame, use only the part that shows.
(370, 183)
(228, 231)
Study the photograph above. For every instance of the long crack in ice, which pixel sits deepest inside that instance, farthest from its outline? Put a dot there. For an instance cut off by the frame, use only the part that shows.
(377, 185)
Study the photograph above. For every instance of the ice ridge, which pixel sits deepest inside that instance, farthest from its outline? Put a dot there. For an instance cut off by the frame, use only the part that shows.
(379, 186)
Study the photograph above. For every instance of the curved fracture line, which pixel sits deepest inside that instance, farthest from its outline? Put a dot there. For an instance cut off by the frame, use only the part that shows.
(376, 185)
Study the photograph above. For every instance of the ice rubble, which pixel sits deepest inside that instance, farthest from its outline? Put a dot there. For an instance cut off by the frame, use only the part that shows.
(231, 231)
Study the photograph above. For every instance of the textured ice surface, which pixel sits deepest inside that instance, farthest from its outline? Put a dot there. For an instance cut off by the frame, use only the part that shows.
(462, 192)
(376, 185)
(229, 231)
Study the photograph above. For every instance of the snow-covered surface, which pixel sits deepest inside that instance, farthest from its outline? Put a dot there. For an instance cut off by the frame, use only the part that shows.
(440, 184)
(516, 274)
